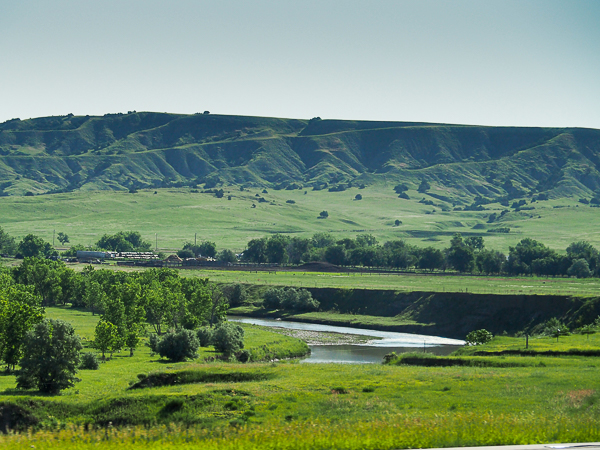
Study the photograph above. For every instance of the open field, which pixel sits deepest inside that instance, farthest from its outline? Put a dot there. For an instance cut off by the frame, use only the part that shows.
(319, 406)
(406, 282)
(172, 217)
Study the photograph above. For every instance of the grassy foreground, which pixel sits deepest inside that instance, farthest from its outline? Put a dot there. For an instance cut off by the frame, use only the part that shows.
(300, 406)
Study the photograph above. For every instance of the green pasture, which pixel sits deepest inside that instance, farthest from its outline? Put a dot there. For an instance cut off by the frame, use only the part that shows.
(408, 282)
(295, 406)
(172, 217)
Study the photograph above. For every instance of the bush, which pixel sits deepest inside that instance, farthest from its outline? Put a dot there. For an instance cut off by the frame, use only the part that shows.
(178, 346)
(229, 338)
(89, 361)
(205, 336)
(272, 298)
(479, 337)
(358, 197)
(243, 356)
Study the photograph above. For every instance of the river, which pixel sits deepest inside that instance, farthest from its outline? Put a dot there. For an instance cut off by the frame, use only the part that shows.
(368, 351)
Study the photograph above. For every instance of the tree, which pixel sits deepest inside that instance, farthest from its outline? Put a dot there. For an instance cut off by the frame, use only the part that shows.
(8, 245)
(490, 261)
(124, 241)
(460, 255)
(32, 246)
(228, 338)
(227, 256)
(44, 275)
(20, 309)
(580, 269)
(431, 259)
(276, 249)
(63, 238)
(358, 197)
(237, 295)
(524, 253)
(479, 337)
(256, 251)
(323, 215)
(208, 249)
(336, 254)
(366, 240)
(51, 357)
(107, 338)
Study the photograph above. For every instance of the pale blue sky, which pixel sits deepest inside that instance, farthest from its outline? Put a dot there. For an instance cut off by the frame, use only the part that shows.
(529, 63)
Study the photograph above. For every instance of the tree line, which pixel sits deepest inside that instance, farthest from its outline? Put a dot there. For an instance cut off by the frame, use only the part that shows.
(128, 304)
(464, 255)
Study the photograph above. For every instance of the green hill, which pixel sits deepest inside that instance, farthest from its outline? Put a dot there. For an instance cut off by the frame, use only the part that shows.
(151, 150)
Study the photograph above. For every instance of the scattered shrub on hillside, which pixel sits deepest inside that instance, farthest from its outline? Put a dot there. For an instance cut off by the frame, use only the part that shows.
(89, 361)
(290, 201)
(228, 338)
(358, 197)
(323, 215)
(479, 337)
(585, 201)
(178, 346)
(397, 222)
(399, 188)
(424, 186)
(404, 195)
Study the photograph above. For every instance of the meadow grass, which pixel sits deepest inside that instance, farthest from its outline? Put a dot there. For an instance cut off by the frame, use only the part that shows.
(407, 282)
(300, 406)
(172, 217)
(572, 342)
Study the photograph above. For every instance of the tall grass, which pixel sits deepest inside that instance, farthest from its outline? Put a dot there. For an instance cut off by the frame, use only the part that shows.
(450, 430)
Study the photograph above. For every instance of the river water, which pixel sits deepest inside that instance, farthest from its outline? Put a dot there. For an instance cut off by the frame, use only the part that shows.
(372, 351)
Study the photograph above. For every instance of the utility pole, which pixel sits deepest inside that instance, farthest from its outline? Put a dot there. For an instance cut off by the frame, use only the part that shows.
(195, 239)
(53, 231)
(156, 244)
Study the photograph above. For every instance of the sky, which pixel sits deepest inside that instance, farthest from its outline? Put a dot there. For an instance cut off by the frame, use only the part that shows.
(493, 62)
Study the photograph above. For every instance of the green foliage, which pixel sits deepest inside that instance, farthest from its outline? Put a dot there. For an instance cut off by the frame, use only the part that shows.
(228, 338)
(205, 336)
(580, 269)
(178, 346)
(291, 299)
(51, 357)
(124, 241)
(227, 256)
(89, 361)
(63, 238)
(107, 338)
(19, 310)
(479, 337)
(34, 246)
(8, 245)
